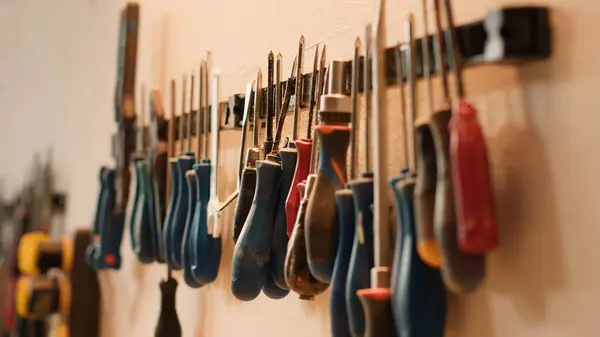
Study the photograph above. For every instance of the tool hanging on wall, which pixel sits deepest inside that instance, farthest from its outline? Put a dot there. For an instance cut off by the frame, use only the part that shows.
(321, 213)
(376, 300)
(477, 231)
(297, 273)
(345, 203)
(418, 294)
(461, 272)
(172, 177)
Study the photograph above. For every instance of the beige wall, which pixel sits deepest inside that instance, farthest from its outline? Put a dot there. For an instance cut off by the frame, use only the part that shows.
(57, 69)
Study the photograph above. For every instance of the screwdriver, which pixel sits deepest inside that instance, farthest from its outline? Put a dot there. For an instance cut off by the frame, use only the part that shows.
(111, 229)
(345, 203)
(461, 272)
(321, 213)
(194, 192)
(362, 251)
(275, 286)
(253, 248)
(376, 300)
(425, 185)
(142, 227)
(184, 163)
(477, 230)
(418, 294)
(172, 180)
(298, 276)
(207, 251)
(91, 249)
(168, 323)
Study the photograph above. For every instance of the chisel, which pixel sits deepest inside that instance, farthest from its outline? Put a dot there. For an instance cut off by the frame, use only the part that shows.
(321, 213)
(376, 299)
(172, 179)
(142, 228)
(345, 203)
(184, 163)
(418, 294)
(297, 274)
(427, 169)
(461, 272)
(362, 249)
(477, 230)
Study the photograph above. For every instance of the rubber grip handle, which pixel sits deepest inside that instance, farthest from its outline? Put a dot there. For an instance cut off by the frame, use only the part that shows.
(303, 149)
(168, 323)
(425, 196)
(462, 273)
(95, 237)
(188, 233)
(419, 296)
(244, 200)
(184, 164)
(132, 205)
(475, 209)
(378, 312)
(206, 252)
(297, 274)
(361, 257)
(253, 248)
(280, 234)
(108, 255)
(158, 192)
(144, 229)
(321, 212)
(337, 305)
(272, 290)
(166, 237)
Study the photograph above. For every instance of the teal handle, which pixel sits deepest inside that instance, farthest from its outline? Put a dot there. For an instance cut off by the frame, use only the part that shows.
(134, 202)
(244, 201)
(280, 237)
(253, 248)
(188, 233)
(361, 258)
(337, 305)
(108, 255)
(166, 237)
(272, 290)
(95, 238)
(144, 229)
(184, 164)
(418, 293)
(157, 196)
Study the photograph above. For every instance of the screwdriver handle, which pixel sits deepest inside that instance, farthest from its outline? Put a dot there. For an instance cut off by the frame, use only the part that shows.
(95, 235)
(419, 296)
(158, 191)
(206, 251)
(303, 148)
(166, 237)
(144, 230)
(253, 248)
(184, 164)
(462, 273)
(378, 312)
(337, 304)
(272, 290)
(321, 212)
(280, 235)
(168, 322)
(362, 257)
(244, 200)
(132, 205)
(425, 196)
(188, 234)
(108, 254)
(297, 274)
(476, 215)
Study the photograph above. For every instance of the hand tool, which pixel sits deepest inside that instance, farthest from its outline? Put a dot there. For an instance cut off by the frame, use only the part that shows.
(172, 179)
(297, 274)
(207, 251)
(106, 254)
(95, 242)
(268, 145)
(37, 253)
(427, 169)
(184, 164)
(321, 213)
(194, 193)
(418, 294)
(252, 250)
(477, 231)
(297, 145)
(461, 272)
(276, 273)
(168, 322)
(345, 204)
(376, 300)
(142, 229)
